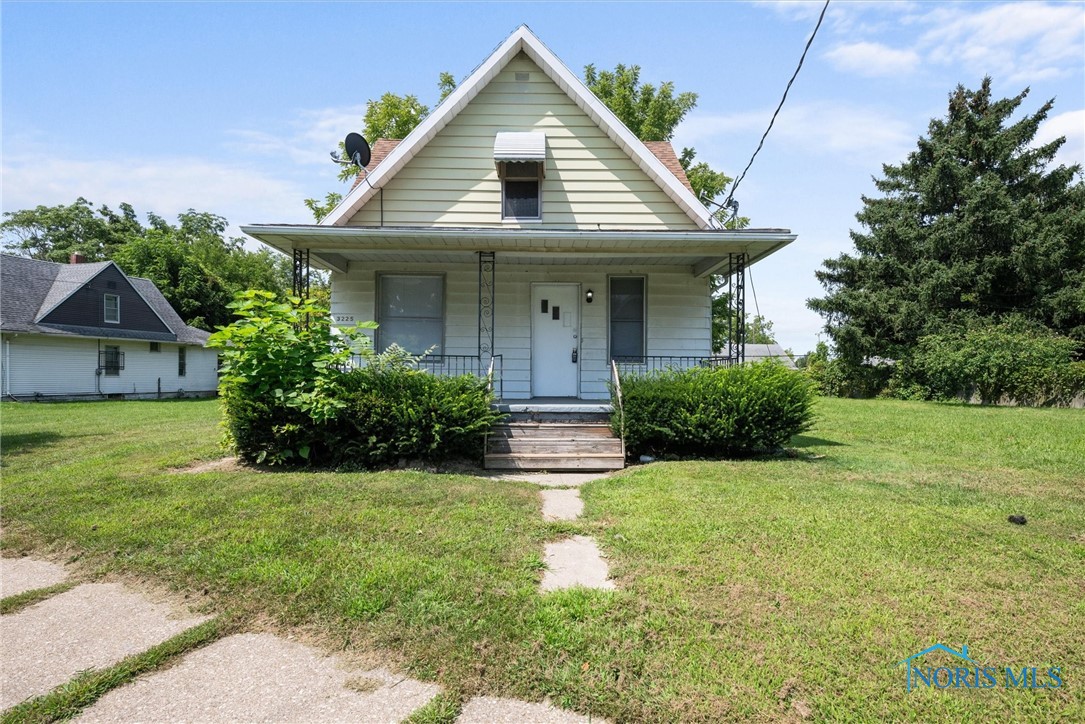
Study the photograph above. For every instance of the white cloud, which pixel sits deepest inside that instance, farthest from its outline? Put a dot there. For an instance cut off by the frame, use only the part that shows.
(872, 59)
(163, 185)
(846, 131)
(1070, 124)
(1020, 42)
(306, 139)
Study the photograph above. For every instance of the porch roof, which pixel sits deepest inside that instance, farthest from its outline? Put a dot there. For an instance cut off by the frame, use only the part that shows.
(705, 251)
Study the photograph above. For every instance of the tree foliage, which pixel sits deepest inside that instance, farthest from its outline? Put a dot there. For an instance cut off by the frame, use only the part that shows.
(649, 112)
(193, 263)
(975, 225)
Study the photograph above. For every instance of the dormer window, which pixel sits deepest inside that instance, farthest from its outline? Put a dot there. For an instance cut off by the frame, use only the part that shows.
(112, 313)
(521, 165)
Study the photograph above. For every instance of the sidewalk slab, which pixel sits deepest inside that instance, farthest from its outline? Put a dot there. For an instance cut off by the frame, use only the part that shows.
(572, 562)
(491, 710)
(18, 575)
(561, 504)
(94, 625)
(261, 678)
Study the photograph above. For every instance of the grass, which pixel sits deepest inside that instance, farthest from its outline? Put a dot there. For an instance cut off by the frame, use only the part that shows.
(16, 603)
(760, 589)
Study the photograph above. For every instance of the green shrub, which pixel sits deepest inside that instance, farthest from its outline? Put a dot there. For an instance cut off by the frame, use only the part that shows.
(288, 397)
(1013, 360)
(720, 412)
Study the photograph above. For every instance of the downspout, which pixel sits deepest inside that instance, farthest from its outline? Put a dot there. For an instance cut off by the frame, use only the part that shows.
(7, 366)
(98, 369)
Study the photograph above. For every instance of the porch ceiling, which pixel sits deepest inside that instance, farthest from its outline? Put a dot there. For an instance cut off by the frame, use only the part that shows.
(703, 251)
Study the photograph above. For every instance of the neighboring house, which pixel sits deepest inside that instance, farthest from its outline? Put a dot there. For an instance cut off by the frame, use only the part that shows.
(88, 330)
(523, 225)
(762, 352)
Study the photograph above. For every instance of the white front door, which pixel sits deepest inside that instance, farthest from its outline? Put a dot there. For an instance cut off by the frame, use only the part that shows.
(555, 340)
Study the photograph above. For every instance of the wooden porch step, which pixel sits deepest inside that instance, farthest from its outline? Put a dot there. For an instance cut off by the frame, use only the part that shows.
(554, 446)
(554, 463)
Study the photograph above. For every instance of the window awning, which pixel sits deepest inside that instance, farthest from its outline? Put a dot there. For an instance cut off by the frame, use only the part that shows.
(520, 146)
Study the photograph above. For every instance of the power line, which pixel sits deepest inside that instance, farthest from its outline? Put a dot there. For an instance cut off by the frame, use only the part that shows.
(730, 196)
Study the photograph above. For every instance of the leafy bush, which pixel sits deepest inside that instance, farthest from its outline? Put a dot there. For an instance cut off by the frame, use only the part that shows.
(289, 396)
(718, 412)
(1012, 360)
(394, 411)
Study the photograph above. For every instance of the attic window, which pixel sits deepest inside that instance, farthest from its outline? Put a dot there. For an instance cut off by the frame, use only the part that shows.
(112, 309)
(521, 164)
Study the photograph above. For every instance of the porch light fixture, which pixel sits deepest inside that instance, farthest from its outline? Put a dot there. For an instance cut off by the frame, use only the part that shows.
(589, 296)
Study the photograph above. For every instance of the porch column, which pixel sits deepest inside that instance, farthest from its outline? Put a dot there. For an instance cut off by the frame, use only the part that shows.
(301, 273)
(736, 301)
(486, 264)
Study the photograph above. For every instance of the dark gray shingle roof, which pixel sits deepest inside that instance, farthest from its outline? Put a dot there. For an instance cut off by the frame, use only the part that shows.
(30, 288)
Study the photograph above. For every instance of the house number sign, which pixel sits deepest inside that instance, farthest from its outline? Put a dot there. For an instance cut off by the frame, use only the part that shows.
(343, 318)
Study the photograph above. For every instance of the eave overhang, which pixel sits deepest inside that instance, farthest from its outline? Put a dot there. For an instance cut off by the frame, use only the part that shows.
(333, 247)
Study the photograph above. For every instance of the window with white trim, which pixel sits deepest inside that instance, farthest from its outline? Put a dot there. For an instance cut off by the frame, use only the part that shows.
(411, 312)
(112, 311)
(182, 361)
(626, 309)
(521, 190)
(112, 360)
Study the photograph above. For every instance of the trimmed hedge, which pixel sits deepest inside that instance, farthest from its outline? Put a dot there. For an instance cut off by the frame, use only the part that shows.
(722, 412)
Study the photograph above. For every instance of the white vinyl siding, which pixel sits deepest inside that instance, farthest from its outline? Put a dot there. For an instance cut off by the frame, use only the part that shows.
(678, 310)
(590, 182)
(66, 366)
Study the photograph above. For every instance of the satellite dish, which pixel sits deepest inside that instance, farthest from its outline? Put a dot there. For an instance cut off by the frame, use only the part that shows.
(357, 150)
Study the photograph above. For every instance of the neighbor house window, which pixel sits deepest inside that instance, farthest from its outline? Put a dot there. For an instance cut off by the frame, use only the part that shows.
(411, 312)
(156, 346)
(112, 361)
(521, 196)
(112, 309)
(181, 361)
(626, 317)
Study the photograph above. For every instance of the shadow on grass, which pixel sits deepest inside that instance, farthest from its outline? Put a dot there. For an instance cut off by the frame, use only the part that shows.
(20, 443)
(810, 441)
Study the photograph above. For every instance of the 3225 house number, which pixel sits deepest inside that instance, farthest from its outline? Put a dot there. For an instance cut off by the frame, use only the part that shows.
(343, 318)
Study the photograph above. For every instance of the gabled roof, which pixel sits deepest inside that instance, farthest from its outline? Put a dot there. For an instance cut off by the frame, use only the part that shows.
(30, 289)
(522, 40)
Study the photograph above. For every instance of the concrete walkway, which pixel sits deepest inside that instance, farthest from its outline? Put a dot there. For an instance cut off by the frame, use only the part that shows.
(246, 677)
(575, 561)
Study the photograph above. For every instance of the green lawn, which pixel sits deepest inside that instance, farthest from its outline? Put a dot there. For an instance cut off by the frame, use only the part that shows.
(756, 589)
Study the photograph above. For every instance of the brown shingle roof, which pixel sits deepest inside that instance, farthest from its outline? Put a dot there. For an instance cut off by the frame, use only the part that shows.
(664, 151)
(377, 153)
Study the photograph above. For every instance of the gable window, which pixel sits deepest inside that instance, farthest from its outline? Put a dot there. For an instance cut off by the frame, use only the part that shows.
(521, 191)
(182, 362)
(521, 164)
(411, 312)
(626, 307)
(112, 313)
(111, 360)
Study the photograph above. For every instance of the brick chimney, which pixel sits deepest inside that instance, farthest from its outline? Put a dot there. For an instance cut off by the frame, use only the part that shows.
(77, 258)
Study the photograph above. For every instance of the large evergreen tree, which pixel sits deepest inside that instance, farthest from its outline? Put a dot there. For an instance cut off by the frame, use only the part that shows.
(975, 225)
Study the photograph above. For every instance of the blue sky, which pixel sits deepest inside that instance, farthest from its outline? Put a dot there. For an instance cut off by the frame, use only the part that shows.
(233, 107)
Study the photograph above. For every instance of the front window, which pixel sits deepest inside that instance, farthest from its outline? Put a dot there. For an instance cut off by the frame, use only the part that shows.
(626, 318)
(520, 191)
(182, 362)
(411, 313)
(112, 309)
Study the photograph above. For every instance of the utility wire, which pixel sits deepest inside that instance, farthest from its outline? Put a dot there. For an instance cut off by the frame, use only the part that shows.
(731, 195)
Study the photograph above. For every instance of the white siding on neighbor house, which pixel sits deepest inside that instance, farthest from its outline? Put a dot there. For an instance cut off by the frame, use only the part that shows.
(590, 181)
(36, 364)
(678, 313)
